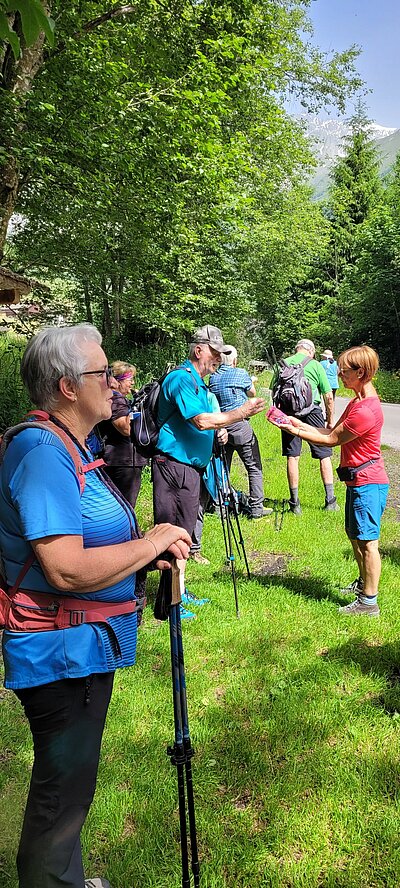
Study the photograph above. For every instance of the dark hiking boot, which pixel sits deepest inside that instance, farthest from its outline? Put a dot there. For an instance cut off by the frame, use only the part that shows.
(295, 508)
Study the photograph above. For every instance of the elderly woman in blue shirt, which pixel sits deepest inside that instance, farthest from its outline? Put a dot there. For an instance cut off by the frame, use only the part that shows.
(84, 545)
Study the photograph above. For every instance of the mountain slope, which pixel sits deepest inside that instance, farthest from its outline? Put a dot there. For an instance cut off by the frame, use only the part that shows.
(327, 138)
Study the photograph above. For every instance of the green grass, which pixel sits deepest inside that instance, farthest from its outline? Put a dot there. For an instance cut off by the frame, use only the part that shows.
(294, 714)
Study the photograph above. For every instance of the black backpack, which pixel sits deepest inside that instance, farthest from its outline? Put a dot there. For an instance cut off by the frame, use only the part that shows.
(145, 427)
(292, 392)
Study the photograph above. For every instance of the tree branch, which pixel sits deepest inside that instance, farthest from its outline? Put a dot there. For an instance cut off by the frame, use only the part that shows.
(95, 23)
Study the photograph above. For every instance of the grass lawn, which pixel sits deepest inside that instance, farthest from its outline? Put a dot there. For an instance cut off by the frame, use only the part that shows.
(294, 714)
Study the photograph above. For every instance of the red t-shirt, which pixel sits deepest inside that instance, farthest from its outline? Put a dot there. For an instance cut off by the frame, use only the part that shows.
(365, 420)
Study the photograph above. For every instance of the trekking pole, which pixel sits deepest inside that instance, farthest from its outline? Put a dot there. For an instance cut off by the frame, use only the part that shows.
(233, 504)
(230, 555)
(182, 751)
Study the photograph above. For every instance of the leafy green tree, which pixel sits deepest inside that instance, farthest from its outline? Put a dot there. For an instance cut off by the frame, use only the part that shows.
(154, 158)
(371, 287)
(320, 307)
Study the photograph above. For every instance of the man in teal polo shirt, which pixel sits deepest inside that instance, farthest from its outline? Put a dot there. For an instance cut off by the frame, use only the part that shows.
(291, 444)
(186, 438)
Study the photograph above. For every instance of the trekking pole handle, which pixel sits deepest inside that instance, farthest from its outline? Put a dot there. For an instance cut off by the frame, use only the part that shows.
(178, 579)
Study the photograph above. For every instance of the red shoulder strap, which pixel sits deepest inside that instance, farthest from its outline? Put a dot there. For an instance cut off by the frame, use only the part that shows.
(24, 570)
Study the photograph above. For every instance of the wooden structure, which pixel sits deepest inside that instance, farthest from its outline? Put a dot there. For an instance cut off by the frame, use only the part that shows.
(13, 286)
(259, 366)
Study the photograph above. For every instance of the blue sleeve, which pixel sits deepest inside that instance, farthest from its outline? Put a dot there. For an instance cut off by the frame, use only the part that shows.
(246, 380)
(182, 390)
(45, 492)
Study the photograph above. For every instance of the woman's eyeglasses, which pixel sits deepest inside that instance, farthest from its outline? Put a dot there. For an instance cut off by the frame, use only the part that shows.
(107, 372)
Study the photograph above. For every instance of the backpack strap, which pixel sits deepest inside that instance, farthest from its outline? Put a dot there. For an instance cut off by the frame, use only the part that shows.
(41, 420)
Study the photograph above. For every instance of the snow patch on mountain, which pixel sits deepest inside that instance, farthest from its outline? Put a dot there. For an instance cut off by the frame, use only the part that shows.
(328, 136)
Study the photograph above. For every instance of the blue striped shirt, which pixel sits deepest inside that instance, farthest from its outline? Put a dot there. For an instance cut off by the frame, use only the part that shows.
(39, 497)
(230, 385)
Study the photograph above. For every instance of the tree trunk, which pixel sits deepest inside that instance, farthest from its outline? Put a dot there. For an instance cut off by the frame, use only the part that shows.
(8, 195)
(107, 317)
(88, 305)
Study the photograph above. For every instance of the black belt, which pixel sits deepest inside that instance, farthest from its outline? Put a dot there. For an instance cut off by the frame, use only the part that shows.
(162, 456)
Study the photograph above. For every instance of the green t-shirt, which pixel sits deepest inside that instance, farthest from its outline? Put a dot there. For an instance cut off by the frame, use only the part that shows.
(314, 372)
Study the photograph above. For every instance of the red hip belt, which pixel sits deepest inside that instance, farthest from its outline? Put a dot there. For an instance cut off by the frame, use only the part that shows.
(27, 611)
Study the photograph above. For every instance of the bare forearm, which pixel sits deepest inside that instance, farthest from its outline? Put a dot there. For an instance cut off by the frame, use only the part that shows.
(88, 570)
(316, 436)
(71, 568)
(206, 421)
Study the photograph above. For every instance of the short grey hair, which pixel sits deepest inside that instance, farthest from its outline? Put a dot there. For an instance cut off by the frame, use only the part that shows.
(51, 354)
(229, 359)
(307, 344)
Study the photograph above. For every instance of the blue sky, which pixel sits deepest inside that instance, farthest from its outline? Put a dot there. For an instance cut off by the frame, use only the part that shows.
(375, 26)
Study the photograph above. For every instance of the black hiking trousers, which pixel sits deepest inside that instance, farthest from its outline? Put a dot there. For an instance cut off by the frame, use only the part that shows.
(67, 720)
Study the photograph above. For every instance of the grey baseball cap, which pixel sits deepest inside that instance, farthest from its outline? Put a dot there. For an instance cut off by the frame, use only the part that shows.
(211, 336)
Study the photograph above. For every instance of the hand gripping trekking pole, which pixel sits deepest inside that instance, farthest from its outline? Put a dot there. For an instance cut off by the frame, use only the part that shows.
(181, 752)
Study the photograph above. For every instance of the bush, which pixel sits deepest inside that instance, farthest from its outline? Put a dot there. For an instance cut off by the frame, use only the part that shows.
(388, 386)
(14, 400)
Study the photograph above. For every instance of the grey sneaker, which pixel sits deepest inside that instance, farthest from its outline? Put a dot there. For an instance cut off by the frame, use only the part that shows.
(97, 883)
(295, 508)
(353, 588)
(262, 514)
(198, 558)
(357, 609)
(331, 505)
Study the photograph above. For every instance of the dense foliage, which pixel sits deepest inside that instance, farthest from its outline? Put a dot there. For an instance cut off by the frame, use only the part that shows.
(351, 293)
(157, 169)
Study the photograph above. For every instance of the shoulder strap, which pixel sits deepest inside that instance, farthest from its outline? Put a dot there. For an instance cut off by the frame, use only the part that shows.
(306, 361)
(42, 421)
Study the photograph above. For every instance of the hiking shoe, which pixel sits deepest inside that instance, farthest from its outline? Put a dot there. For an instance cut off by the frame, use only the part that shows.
(357, 609)
(295, 508)
(97, 883)
(353, 588)
(198, 558)
(191, 600)
(331, 505)
(263, 514)
(185, 614)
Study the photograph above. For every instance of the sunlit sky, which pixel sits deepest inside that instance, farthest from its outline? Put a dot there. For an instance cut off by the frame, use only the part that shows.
(374, 25)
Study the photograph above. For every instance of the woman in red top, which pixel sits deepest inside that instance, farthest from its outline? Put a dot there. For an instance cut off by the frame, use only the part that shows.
(358, 432)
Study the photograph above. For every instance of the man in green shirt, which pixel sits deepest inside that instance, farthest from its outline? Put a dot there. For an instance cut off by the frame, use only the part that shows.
(291, 444)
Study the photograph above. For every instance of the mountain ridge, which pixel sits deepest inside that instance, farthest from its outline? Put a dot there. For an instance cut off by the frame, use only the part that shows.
(327, 138)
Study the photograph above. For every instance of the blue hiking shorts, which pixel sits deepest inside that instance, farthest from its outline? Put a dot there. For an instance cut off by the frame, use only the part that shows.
(364, 509)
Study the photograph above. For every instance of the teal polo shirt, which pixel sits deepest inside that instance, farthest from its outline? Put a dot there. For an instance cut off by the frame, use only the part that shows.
(184, 395)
